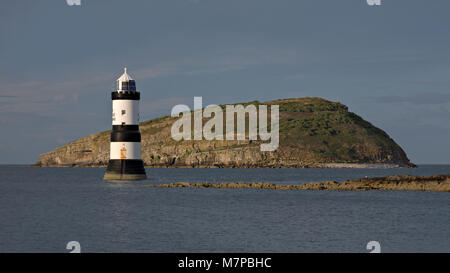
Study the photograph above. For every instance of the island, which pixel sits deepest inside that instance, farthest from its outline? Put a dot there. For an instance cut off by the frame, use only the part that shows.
(314, 133)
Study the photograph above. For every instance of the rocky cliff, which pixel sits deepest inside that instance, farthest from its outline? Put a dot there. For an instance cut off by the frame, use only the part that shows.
(313, 133)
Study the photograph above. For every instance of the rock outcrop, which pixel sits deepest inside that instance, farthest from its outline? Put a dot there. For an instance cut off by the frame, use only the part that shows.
(313, 133)
(439, 183)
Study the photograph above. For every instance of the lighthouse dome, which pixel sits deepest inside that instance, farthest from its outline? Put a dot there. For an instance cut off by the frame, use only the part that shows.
(126, 82)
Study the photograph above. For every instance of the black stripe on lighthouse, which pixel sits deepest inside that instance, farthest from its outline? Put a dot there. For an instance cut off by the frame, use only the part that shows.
(125, 135)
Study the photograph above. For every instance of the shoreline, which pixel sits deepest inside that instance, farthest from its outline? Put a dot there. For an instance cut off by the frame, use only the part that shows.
(281, 166)
(435, 183)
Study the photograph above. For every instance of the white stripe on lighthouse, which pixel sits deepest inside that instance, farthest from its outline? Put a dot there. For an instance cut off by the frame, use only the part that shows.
(125, 150)
(125, 112)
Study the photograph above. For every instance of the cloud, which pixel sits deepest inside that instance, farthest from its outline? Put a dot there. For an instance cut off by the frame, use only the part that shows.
(55, 96)
(231, 60)
(184, 68)
(8, 96)
(418, 99)
(160, 107)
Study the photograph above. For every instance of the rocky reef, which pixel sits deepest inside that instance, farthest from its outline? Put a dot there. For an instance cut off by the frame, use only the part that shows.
(439, 183)
(313, 133)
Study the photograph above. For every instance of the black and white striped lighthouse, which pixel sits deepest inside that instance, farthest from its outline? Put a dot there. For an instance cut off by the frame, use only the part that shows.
(125, 161)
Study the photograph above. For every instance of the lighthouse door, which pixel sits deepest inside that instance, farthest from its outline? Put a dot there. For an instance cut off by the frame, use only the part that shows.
(123, 153)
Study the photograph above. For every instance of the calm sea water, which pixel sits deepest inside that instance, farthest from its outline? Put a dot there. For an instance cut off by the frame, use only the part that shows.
(41, 209)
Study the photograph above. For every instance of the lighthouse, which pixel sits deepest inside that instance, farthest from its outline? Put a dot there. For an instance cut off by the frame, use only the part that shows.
(125, 161)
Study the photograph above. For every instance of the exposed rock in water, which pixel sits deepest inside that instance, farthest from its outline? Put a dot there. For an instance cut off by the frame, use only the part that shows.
(313, 133)
(396, 182)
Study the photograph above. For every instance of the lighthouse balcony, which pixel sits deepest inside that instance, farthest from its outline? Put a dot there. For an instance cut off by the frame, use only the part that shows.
(125, 95)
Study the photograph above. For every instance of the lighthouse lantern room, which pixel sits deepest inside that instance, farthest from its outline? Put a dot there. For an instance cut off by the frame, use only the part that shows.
(125, 161)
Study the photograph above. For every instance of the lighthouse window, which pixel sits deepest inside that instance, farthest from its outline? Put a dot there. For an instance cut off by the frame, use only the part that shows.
(123, 112)
(132, 85)
(124, 85)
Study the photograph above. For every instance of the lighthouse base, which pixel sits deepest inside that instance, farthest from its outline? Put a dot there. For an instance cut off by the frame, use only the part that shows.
(125, 170)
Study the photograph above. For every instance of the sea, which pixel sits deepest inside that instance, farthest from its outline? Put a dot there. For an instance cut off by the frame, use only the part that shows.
(43, 209)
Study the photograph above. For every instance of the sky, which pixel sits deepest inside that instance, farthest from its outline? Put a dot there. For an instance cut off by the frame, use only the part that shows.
(389, 64)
